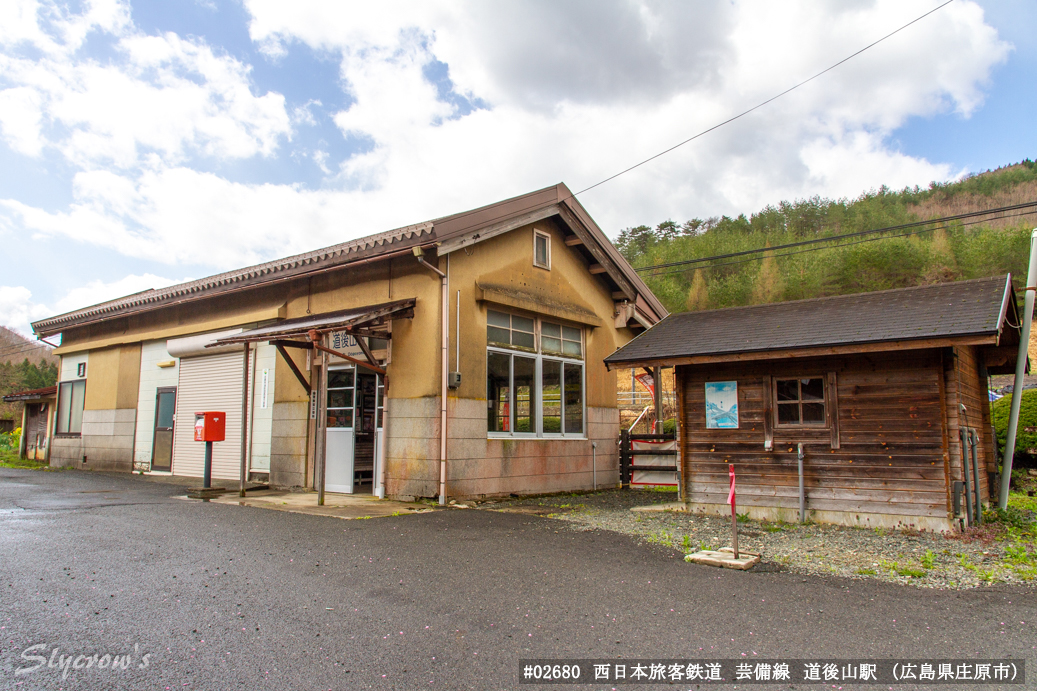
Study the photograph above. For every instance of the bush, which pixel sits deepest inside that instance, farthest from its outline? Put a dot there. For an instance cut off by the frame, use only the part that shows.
(1024, 441)
(10, 441)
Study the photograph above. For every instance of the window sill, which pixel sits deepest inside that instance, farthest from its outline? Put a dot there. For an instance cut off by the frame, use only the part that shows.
(533, 437)
(68, 435)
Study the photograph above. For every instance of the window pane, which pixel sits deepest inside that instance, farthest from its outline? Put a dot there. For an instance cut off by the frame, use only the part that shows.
(75, 418)
(551, 345)
(541, 250)
(522, 339)
(64, 405)
(521, 324)
(814, 412)
(812, 389)
(342, 398)
(551, 393)
(572, 348)
(788, 413)
(570, 334)
(788, 390)
(498, 319)
(339, 378)
(573, 398)
(497, 392)
(342, 417)
(495, 334)
(166, 401)
(549, 329)
(525, 394)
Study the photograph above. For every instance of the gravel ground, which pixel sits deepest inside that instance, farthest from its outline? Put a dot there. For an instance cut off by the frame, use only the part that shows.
(981, 557)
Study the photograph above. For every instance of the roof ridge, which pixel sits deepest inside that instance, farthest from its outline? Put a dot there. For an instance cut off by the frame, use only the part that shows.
(999, 278)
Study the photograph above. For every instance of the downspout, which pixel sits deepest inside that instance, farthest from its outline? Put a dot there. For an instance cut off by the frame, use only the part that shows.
(444, 366)
(245, 409)
(1020, 369)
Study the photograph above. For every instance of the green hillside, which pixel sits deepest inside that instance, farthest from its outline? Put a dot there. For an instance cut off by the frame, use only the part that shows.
(957, 251)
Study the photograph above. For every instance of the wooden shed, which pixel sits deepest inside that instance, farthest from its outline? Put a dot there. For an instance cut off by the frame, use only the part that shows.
(886, 392)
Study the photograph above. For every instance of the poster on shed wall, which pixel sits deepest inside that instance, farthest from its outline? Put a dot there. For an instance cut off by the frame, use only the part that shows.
(721, 405)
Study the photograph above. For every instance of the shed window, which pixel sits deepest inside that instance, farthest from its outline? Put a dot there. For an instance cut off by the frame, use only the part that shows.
(800, 401)
(71, 395)
(541, 250)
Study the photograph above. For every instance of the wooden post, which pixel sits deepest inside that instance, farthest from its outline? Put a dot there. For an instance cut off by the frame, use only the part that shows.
(320, 440)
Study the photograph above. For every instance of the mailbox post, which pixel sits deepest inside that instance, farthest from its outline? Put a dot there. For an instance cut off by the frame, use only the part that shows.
(209, 427)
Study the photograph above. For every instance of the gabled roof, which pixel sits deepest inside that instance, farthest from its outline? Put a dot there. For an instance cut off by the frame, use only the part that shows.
(979, 308)
(447, 233)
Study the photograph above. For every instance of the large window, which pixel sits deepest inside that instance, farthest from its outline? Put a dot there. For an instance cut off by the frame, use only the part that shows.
(800, 401)
(71, 395)
(534, 377)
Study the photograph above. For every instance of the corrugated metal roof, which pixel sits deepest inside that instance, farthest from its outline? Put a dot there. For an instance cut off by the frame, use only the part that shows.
(965, 308)
(32, 394)
(336, 254)
(370, 247)
(355, 316)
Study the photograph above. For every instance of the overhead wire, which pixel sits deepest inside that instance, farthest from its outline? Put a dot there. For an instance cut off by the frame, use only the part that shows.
(766, 253)
(729, 120)
(830, 238)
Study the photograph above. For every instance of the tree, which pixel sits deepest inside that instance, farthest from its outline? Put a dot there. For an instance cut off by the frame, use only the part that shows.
(769, 285)
(698, 294)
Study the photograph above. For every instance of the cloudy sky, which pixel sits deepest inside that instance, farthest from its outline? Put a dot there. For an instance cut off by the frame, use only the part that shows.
(147, 142)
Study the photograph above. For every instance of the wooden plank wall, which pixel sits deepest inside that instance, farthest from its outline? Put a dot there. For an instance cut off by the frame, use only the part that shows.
(891, 455)
(965, 386)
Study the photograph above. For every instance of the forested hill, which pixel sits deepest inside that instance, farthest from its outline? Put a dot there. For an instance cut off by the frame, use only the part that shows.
(935, 253)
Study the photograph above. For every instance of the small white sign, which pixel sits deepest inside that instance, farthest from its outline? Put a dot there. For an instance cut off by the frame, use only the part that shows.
(263, 391)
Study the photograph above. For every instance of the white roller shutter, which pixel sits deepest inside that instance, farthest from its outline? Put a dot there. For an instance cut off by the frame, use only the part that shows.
(210, 382)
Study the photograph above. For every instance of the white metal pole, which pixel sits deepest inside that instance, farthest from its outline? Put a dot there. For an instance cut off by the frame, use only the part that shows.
(1020, 369)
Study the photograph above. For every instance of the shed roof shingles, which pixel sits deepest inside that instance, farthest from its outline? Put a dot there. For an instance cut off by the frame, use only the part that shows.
(934, 311)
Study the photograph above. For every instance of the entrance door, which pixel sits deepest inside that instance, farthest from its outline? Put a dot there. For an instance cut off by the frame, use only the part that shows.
(338, 447)
(162, 443)
(366, 409)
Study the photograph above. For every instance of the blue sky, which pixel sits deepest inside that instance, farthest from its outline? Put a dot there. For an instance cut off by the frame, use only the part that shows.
(144, 143)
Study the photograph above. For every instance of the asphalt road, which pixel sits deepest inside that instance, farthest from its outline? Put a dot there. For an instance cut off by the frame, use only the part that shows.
(229, 597)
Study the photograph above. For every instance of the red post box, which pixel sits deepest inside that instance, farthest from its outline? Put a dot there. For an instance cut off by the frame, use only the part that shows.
(210, 426)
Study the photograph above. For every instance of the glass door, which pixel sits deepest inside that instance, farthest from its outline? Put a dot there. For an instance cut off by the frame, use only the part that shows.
(162, 441)
(338, 447)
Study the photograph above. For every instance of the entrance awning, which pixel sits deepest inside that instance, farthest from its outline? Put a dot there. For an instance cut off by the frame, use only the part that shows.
(369, 321)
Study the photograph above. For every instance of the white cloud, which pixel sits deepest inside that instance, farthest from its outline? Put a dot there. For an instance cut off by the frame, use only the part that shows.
(17, 309)
(572, 92)
(165, 95)
(96, 292)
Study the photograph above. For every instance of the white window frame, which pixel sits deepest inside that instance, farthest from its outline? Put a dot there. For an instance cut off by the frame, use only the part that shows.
(539, 357)
(547, 240)
(62, 411)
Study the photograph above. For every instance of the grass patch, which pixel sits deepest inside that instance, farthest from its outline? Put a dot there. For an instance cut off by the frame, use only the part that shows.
(9, 459)
(928, 559)
(910, 571)
(867, 572)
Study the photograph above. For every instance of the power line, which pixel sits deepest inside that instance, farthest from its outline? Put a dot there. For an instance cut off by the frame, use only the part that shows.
(14, 350)
(761, 105)
(573, 195)
(816, 249)
(830, 238)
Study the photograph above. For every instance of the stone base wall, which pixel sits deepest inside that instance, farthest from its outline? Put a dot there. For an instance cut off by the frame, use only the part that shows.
(106, 442)
(481, 467)
(290, 428)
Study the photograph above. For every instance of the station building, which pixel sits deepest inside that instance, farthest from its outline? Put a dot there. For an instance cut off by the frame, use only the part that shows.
(460, 357)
